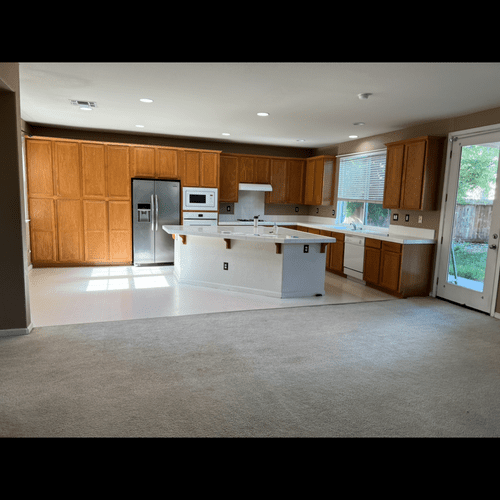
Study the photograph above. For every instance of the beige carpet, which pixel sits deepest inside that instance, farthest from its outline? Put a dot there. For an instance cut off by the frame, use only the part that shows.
(400, 368)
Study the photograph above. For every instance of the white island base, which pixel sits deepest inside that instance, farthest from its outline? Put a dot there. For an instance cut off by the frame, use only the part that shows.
(272, 265)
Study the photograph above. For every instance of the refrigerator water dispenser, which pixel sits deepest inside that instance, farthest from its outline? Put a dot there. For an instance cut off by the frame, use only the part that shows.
(144, 212)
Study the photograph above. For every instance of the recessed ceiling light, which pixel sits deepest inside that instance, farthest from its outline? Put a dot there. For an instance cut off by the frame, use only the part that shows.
(85, 108)
(263, 114)
(140, 126)
(301, 140)
(146, 100)
(359, 123)
(225, 133)
(353, 137)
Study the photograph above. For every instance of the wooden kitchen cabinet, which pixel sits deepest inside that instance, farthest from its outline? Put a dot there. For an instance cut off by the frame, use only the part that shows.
(334, 252)
(278, 182)
(118, 172)
(95, 226)
(167, 165)
(295, 176)
(120, 231)
(371, 265)
(93, 170)
(401, 270)
(199, 169)
(67, 169)
(319, 180)
(43, 230)
(412, 173)
(39, 168)
(229, 179)
(142, 161)
(69, 230)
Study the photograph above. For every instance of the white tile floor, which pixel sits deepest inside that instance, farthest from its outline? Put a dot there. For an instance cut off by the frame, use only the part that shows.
(60, 296)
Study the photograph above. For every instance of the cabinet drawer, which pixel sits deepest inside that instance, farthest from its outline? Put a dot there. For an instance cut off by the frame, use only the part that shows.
(369, 242)
(391, 247)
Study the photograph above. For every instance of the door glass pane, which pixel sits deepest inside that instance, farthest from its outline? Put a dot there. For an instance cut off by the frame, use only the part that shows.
(472, 220)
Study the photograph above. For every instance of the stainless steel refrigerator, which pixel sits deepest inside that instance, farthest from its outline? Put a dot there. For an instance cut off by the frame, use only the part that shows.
(154, 203)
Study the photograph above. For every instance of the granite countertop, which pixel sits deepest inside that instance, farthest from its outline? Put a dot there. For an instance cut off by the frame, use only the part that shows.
(242, 232)
(392, 234)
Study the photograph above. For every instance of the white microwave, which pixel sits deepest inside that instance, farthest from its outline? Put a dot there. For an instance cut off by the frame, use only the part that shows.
(199, 198)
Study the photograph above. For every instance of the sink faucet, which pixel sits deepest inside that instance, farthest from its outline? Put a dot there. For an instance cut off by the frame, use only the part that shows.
(353, 225)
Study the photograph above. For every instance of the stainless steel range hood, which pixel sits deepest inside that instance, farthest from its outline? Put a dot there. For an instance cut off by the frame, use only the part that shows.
(254, 187)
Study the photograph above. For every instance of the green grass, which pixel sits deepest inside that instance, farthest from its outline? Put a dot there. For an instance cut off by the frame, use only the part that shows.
(470, 260)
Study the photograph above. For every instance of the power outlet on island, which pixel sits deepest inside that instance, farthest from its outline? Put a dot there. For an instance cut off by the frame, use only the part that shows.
(226, 266)
(306, 248)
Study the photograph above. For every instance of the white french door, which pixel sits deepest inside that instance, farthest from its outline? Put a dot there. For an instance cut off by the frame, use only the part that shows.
(468, 258)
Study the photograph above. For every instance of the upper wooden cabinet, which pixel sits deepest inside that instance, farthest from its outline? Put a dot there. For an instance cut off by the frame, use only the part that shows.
(229, 179)
(67, 169)
(412, 173)
(199, 168)
(39, 171)
(319, 180)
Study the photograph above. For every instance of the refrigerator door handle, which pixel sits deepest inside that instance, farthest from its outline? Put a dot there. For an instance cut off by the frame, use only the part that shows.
(156, 217)
(152, 215)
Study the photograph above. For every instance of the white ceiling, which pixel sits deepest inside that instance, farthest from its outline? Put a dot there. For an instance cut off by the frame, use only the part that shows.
(317, 102)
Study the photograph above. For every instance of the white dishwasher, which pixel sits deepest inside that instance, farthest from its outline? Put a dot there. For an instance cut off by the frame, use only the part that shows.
(354, 255)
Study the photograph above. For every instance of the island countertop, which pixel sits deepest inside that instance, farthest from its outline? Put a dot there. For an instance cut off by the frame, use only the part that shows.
(284, 236)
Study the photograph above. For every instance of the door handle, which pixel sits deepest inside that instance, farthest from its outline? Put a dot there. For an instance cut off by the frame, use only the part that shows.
(156, 217)
(152, 215)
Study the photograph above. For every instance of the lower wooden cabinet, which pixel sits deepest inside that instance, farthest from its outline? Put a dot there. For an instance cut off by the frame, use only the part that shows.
(402, 270)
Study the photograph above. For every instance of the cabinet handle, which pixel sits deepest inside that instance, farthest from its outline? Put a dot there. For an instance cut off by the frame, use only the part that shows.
(493, 247)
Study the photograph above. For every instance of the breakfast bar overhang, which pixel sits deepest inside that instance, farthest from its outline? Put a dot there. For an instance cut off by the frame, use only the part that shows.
(285, 264)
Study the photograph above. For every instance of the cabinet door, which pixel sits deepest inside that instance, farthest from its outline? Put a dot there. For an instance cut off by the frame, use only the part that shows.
(120, 231)
(143, 161)
(228, 191)
(191, 175)
(69, 230)
(67, 169)
(167, 165)
(209, 170)
(390, 263)
(318, 182)
(93, 172)
(413, 176)
(295, 181)
(95, 227)
(337, 253)
(39, 168)
(278, 181)
(118, 171)
(309, 182)
(393, 176)
(371, 266)
(246, 166)
(43, 230)
(262, 170)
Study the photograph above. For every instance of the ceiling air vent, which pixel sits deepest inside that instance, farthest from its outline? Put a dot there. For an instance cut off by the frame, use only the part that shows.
(84, 104)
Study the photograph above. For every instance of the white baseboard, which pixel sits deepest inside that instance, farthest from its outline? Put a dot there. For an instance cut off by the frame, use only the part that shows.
(16, 331)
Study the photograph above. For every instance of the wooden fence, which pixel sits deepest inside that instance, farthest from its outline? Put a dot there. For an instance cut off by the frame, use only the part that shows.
(472, 223)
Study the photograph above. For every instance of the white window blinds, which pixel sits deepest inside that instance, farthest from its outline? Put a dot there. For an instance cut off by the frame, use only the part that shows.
(361, 177)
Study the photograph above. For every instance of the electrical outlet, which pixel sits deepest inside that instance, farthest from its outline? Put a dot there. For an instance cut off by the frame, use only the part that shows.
(296, 209)
(306, 248)
(407, 217)
(420, 219)
(228, 208)
(394, 216)
(226, 266)
(333, 213)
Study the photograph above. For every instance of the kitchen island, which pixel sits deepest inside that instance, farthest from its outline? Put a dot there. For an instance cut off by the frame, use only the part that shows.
(285, 264)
